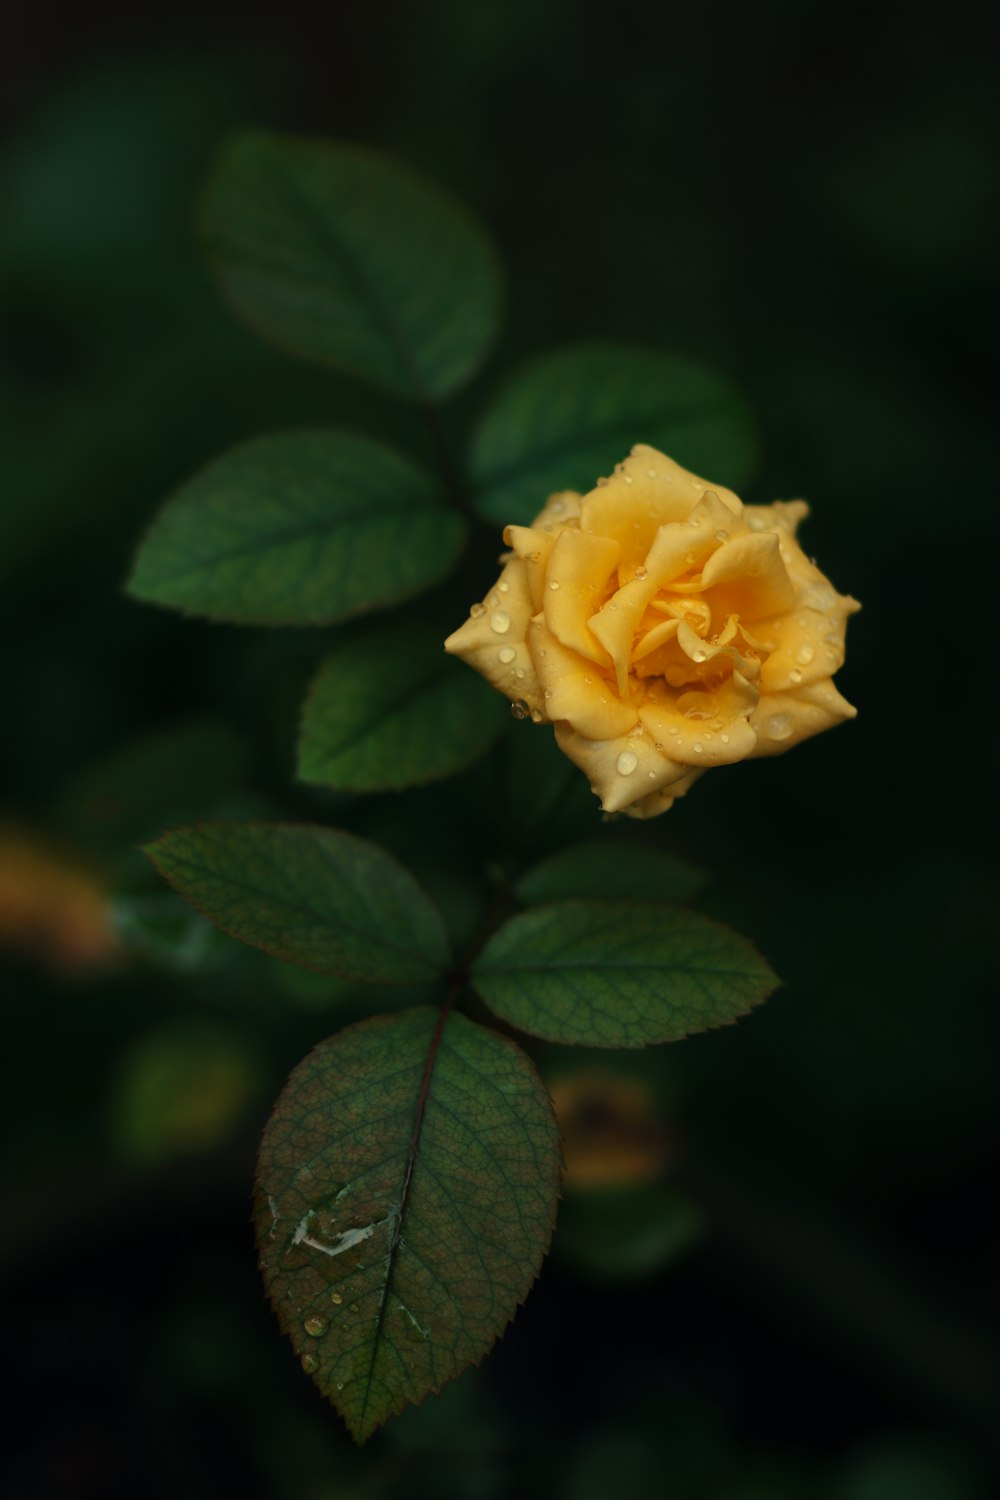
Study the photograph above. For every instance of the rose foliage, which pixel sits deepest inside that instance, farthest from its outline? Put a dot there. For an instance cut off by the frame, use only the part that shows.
(408, 1181)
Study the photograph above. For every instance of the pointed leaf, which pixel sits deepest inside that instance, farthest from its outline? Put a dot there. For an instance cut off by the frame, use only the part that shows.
(342, 255)
(570, 416)
(611, 870)
(406, 1193)
(314, 896)
(391, 709)
(298, 528)
(618, 973)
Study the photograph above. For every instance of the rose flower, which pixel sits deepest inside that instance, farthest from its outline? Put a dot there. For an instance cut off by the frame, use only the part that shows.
(662, 627)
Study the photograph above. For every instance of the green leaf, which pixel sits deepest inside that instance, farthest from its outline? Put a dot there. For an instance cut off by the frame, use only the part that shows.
(391, 709)
(568, 417)
(314, 896)
(618, 973)
(406, 1194)
(611, 870)
(298, 528)
(342, 255)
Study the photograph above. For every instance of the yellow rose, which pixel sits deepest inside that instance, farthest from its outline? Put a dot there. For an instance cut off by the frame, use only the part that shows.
(662, 627)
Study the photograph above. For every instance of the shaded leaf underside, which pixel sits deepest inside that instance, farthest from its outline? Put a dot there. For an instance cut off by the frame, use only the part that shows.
(406, 1194)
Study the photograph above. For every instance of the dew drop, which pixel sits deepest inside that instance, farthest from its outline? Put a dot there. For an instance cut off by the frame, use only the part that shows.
(554, 584)
(353, 1307)
(537, 716)
(500, 621)
(795, 676)
(628, 479)
(602, 482)
(818, 596)
(699, 655)
(518, 671)
(494, 600)
(504, 588)
(805, 654)
(340, 1385)
(626, 763)
(557, 507)
(506, 655)
(724, 738)
(477, 611)
(722, 536)
(548, 694)
(640, 573)
(520, 709)
(778, 726)
(697, 747)
(658, 745)
(310, 1364)
(315, 1327)
(336, 1298)
(652, 775)
(650, 473)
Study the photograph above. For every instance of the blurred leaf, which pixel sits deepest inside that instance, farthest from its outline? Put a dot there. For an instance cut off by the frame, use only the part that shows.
(620, 1234)
(181, 1089)
(570, 416)
(158, 779)
(618, 974)
(391, 709)
(163, 930)
(406, 1194)
(298, 528)
(342, 255)
(914, 1470)
(313, 896)
(610, 869)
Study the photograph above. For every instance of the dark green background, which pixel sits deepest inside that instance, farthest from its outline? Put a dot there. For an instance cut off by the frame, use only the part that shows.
(804, 197)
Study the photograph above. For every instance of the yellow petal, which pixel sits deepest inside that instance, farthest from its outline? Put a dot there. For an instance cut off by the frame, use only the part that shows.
(645, 492)
(700, 728)
(747, 577)
(623, 769)
(577, 581)
(534, 547)
(786, 719)
(494, 639)
(573, 689)
(615, 625)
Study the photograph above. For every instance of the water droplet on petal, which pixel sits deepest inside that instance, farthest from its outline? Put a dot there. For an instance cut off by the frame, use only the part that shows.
(651, 775)
(506, 655)
(353, 1307)
(500, 622)
(477, 611)
(697, 747)
(310, 1364)
(805, 654)
(520, 709)
(537, 716)
(626, 763)
(553, 583)
(504, 588)
(724, 738)
(315, 1327)
(795, 676)
(722, 536)
(778, 726)
(640, 573)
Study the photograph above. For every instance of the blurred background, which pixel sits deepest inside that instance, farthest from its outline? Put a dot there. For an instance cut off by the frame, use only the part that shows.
(775, 1274)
